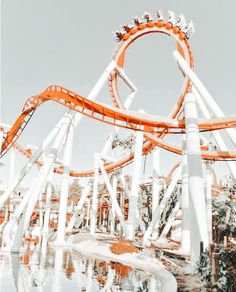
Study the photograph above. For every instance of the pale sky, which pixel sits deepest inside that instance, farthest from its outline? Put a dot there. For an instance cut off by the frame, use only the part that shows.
(71, 42)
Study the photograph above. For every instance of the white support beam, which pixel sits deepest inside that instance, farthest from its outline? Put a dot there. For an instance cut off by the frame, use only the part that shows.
(158, 211)
(93, 212)
(126, 79)
(171, 220)
(199, 230)
(216, 134)
(47, 204)
(64, 191)
(112, 194)
(33, 193)
(203, 92)
(155, 184)
(88, 211)
(186, 216)
(78, 208)
(79, 275)
(89, 280)
(30, 163)
(139, 222)
(112, 211)
(209, 199)
(58, 268)
(97, 88)
(134, 192)
(108, 144)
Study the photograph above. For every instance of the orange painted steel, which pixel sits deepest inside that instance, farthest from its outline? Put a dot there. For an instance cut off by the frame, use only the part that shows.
(119, 56)
(185, 50)
(106, 114)
(155, 127)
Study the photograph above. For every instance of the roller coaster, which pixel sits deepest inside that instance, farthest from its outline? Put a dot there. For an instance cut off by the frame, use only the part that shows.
(119, 206)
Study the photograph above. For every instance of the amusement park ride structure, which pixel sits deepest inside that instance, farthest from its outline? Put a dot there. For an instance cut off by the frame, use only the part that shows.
(151, 130)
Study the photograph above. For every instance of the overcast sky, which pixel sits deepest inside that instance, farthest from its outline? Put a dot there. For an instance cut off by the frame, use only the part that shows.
(71, 42)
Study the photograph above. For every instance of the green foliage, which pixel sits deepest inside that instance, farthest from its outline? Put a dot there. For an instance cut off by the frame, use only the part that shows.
(170, 205)
(226, 262)
(125, 143)
(204, 267)
(75, 189)
(224, 215)
(145, 204)
(227, 270)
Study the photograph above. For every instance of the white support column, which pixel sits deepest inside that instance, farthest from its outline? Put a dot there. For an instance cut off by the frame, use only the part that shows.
(158, 211)
(93, 212)
(58, 268)
(140, 222)
(78, 272)
(209, 200)
(171, 220)
(79, 207)
(126, 79)
(89, 281)
(113, 215)
(2, 266)
(47, 205)
(113, 195)
(216, 134)
(155, 184)
(203, 92)
(33, 193)
(51, 158)
(199, 231)
(133, 197)
(41, 212)
(64, 192)
(94, 92)
(12, 173)
(186, 216)
(30, 163)
(129, 100)
(17, 275)
(97, 88)
(108, 144)
(88, 211)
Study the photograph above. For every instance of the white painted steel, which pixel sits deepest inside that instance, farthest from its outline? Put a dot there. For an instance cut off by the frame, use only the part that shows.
(30, 163)
(94, 206)
(134, 192)
(199, 230)
(186, 216)
(209, 200)
(155, 184)
(203, 92)
(34, 191)
(216, 134)
(64, 191)
(158, 211)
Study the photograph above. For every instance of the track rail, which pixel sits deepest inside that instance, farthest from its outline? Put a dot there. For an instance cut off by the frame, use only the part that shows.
(155, 127)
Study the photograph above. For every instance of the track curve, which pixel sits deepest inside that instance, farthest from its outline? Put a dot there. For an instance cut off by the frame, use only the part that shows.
(155, 127)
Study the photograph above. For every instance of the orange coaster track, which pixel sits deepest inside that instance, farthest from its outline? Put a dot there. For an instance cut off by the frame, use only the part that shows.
(155, 127)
